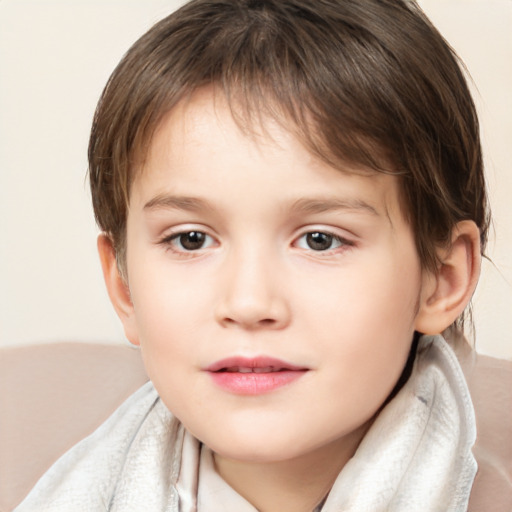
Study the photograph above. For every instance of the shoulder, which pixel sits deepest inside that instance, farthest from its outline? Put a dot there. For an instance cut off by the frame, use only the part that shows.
(490, 385)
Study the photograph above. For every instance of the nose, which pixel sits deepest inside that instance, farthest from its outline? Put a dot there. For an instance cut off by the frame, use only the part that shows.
(251, 294)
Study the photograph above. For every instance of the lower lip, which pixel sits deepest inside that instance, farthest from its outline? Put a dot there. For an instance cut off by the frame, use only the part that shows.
(255, 383)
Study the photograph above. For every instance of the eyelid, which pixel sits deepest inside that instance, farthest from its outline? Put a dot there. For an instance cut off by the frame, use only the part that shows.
(346, 241)
(177, 236)
(185, 227)
(175, 232)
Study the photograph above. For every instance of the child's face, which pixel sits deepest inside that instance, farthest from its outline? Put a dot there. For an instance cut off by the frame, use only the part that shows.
(241, 249)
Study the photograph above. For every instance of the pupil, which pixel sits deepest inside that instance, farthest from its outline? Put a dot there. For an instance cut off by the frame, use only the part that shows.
(319, 241)
(192, 240)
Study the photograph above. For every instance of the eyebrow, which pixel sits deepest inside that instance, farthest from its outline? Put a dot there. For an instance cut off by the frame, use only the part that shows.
(168, 202)
(325, 205)
(304, 205)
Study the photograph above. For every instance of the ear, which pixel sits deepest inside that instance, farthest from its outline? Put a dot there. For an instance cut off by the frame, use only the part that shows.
(446, 294)
(117, 288)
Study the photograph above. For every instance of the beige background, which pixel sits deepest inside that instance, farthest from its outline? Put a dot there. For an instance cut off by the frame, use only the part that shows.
(56, 55)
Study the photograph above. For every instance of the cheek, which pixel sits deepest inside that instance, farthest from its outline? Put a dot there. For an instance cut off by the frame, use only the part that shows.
(165, 319)
(378, 294)
(164, 296)
(364, 320)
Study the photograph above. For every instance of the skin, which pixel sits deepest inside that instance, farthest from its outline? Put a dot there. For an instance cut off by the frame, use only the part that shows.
(257, 287)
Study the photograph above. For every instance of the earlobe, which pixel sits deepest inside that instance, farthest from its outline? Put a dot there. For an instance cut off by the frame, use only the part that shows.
(117, 288)
(446, 294)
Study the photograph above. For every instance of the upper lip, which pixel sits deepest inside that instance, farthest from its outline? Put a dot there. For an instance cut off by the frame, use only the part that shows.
(247, 364)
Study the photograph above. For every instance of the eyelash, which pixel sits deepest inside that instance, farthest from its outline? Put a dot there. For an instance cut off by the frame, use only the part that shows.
(341, 243)
(169, 241)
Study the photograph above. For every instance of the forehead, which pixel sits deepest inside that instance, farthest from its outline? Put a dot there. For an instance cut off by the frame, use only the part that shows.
(201, 143)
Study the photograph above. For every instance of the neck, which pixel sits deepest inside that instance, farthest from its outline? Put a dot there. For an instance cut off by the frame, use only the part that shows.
(294, 485)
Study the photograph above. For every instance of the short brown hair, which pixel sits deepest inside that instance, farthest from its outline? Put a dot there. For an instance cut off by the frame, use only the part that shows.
(356, 80)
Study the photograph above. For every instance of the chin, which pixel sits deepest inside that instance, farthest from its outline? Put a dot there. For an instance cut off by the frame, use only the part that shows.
(250, 455)
(264, 449)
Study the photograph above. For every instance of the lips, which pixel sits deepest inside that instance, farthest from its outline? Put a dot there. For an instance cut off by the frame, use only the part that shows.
(244, 369)
(253, 376)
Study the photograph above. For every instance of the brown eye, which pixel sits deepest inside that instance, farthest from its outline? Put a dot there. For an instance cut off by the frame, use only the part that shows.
(190, 241)
(320, 241)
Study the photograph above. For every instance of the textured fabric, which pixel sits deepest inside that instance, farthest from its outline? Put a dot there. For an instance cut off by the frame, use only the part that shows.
(416, 456)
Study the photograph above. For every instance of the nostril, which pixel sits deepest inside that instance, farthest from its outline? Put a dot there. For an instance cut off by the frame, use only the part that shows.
(246, 324)
(252, 312)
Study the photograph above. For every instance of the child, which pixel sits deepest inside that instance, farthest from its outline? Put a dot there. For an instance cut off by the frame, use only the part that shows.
(291, 194)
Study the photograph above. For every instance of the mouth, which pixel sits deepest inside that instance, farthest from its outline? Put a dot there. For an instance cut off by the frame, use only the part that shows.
(245, 369)
(254, 376)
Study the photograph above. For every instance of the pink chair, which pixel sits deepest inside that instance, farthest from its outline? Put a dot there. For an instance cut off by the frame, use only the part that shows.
(52, 396)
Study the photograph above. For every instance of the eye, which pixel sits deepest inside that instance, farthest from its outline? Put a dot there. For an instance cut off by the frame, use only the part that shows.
(320, 241)
(190, 241)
